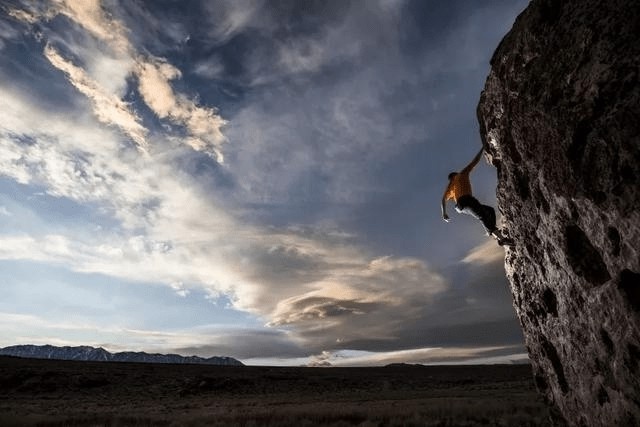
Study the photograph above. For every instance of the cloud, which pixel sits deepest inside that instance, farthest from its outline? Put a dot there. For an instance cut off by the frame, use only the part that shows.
(360, 302)
(93, 17)
(341, 112)
(321, 360)
(230, 17)
(319, 309)
(179, 288)
(159, 30)
(30, 15)
(247, 343)
(73, 157)
(355, 290)
(106, 78)
(426, 356)
(7, 32)
(203, 125)
(486, 253)
(108, 108)
(210, 68)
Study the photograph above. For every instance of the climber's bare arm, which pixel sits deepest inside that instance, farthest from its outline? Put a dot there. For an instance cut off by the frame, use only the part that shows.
(443, 207)
(473, 163)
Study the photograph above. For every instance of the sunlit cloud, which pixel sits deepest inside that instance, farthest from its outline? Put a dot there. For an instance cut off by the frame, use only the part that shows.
(421, 356)
(91, 15)
(30, 16)
(203, 125)
(359, 289)
(486, 253)
(179, 288)
(425, 356)
(108, 108)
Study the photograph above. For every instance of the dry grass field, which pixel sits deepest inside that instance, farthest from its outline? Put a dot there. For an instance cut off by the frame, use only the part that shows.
(61, 393)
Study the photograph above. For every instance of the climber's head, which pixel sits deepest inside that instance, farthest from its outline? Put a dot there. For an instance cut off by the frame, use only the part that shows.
(452, 174)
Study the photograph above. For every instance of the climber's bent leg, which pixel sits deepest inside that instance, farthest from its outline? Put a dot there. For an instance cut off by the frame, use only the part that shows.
(471, 206)
(489, 219)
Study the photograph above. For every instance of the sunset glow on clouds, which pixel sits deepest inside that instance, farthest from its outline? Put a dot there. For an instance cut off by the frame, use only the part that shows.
(248, 179)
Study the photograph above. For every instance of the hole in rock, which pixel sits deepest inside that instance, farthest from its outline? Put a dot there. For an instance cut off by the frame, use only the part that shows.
(599, 197)
(606, 340)
(603, 396)
(614, 238)
(541, 201)
(629, 284)
(550, 302)
(575, 151)
(552, 354)
(522, 185)
(584, 258)
(634, 357)
(541, 383)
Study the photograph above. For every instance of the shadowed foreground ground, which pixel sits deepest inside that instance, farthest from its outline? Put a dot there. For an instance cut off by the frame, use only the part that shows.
(45, 392)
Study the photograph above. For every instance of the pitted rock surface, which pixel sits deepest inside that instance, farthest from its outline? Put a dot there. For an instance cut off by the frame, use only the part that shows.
(560, 120)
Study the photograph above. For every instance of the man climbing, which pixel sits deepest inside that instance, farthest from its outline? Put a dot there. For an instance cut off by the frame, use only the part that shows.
(459, 190)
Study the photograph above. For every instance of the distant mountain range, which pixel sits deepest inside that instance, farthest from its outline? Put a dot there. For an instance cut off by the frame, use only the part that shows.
(86, 353)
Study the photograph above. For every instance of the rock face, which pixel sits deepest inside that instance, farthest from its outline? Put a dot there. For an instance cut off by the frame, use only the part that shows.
(560, 121)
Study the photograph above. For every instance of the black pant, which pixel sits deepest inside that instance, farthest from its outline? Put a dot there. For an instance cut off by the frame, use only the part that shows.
(471, 206)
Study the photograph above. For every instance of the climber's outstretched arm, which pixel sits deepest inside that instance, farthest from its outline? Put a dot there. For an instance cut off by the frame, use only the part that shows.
(473, 163)
(443, 208)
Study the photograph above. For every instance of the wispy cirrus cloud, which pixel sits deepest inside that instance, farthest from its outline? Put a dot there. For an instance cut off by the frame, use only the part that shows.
(201, 126)
(91, 15)
(108, 108)
(228, 18)
(7, 32)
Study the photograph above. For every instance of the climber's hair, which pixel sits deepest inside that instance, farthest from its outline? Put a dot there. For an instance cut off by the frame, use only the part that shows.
(452, 174)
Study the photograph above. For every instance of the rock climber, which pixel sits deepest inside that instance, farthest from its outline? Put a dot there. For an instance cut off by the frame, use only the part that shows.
(459, 190)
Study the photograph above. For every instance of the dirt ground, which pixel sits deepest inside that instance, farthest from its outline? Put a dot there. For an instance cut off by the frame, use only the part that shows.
(64, 393)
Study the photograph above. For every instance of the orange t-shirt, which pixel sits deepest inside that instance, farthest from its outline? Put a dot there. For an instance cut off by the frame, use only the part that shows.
(459, 186)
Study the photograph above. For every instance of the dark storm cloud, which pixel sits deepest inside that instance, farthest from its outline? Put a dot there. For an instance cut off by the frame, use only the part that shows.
(315, 308)
(248, 343)
(473, 310)
(282, 264)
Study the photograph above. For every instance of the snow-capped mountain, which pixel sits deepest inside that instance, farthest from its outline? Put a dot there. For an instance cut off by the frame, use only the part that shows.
(86, 353)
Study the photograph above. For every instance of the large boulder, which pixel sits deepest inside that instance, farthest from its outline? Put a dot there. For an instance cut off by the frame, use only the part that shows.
(560, 120)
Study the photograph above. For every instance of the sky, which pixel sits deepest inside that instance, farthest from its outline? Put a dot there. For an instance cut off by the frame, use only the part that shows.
(254, 179)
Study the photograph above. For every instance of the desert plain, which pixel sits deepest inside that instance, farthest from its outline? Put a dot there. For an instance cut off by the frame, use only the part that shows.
(70, 393)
